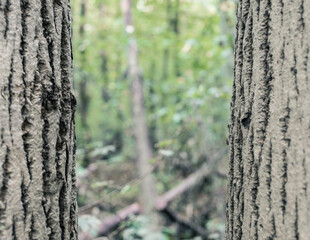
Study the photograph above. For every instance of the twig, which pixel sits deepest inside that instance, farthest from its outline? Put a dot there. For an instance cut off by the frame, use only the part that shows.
(186, 184)
(184, 222)
(111, 222)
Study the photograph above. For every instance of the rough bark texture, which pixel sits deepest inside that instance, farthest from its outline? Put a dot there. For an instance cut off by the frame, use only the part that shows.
(268, 192)
(37, 141)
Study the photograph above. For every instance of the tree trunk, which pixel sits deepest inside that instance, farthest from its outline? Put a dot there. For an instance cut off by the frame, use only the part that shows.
(37, 139)
(143, 147)
(84, 97)
(269, 175)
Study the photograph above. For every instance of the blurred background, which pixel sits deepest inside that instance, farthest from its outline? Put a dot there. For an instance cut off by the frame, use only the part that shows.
(153, 82)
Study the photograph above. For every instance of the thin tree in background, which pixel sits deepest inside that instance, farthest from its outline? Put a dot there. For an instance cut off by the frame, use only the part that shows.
(268, 189)
(83, 89)
(37, 136)
(140, 129)
(173, 26)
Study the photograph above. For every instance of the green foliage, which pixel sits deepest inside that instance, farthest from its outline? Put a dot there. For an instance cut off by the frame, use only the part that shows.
(187, 79)
(141, 228)
(191, 83)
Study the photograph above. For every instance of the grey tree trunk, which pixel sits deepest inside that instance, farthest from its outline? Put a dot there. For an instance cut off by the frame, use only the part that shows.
(269, 175)
(37, 139)
(140, 128)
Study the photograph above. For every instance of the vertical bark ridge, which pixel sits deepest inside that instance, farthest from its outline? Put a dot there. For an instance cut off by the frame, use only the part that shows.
(37, 178)
(270, 123)
(31, 122)
(6, 10)
(261, 106)
(235, 207)
(64, 151)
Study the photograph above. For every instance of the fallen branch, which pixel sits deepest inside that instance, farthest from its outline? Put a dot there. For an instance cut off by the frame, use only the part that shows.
(185, 185)
(111, 222)
(184, 222)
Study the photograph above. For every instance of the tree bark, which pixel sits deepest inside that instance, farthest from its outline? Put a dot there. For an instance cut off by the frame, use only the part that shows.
(269, 175)
(37, 138)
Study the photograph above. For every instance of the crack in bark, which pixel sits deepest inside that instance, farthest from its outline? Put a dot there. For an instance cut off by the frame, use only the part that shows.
(269, 123)
(36, 111)
(4, 188)
(6, 16)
